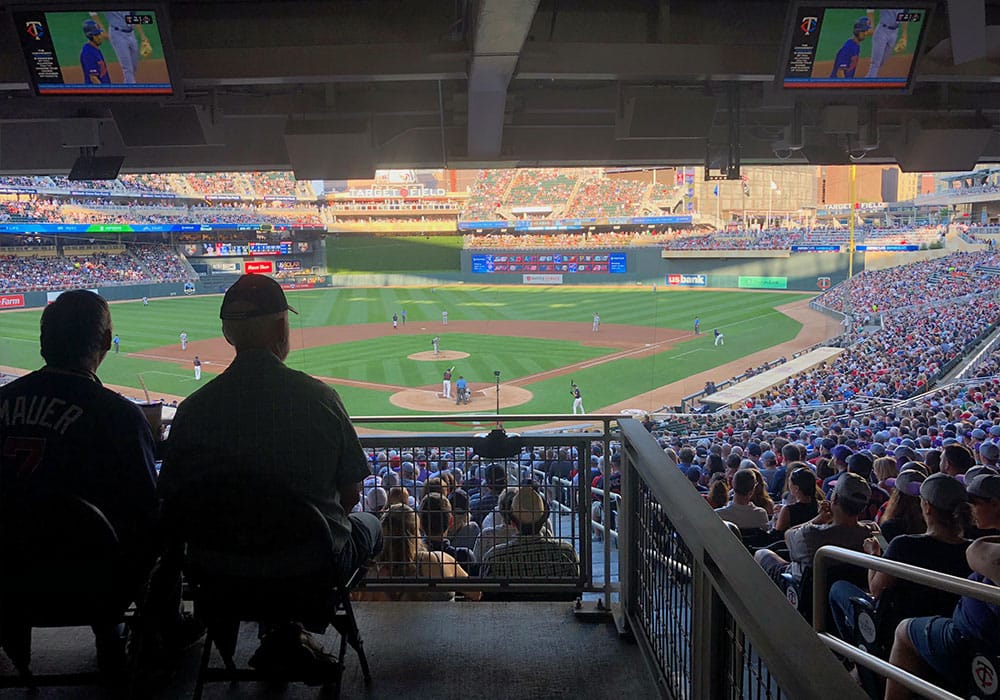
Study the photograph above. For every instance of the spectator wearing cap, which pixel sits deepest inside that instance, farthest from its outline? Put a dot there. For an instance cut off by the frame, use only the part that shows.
(956, 459)
(902, 515)
(803, 498)
(463, 532)
(945, 510)
(984, 496)
(279, 424)
(741, 512)
(768, 466)
(839, 454)
(376, 499)
(939, 647)
(533, 552)
(483, 503)
(836, 524)
(989, 454)
(408, 479)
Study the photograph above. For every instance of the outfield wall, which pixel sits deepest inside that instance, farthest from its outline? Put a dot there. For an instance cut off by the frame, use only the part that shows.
(28, 300)
(793, 271)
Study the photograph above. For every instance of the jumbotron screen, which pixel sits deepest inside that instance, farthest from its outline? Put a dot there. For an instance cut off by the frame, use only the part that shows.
(853, 48)
(94, 52)
(225, 250)
(613, 263)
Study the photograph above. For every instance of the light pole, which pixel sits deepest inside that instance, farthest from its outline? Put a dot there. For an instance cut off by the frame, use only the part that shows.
(496, 376)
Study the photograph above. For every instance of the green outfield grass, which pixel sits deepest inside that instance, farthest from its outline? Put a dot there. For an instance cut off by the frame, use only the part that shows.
(748, 320)
(362, 253)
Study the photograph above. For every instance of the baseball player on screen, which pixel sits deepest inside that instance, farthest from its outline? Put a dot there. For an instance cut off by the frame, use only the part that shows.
(846, 62)
(95, 68)
(885, 38)
(127, 39)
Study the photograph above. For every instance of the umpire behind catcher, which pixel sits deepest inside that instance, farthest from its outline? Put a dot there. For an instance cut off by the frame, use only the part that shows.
(261, 417)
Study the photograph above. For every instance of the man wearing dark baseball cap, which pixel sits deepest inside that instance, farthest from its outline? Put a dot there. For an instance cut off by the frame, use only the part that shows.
(945, 643)
(262, 419)
(836, 524)
(252, 296)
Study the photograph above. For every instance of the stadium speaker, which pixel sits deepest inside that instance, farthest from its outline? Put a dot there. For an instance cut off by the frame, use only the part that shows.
(164, 126)
(80, 133)
(954, 144)
(666, 115)
(96, 168)
(330, 149)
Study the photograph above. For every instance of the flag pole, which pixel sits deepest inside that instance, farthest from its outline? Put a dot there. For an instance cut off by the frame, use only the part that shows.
(850, 225)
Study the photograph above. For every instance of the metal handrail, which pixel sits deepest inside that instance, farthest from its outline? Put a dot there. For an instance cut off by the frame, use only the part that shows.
(926, 577)
(724, 575)
(597, 428)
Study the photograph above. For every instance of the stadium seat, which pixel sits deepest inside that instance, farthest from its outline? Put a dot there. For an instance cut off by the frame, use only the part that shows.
(257, 552)
(62, 567)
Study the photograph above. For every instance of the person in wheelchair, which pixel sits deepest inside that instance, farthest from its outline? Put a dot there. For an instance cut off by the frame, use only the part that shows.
(939, 647)
(941, 548)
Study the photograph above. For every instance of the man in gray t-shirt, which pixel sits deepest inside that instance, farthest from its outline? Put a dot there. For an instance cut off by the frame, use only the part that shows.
(836, 524)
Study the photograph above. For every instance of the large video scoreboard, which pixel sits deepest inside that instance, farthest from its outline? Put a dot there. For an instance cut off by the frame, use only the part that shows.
(583, 263)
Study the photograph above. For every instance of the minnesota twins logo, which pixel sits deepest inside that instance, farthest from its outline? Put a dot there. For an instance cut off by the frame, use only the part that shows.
(808, 25)
(35, 29)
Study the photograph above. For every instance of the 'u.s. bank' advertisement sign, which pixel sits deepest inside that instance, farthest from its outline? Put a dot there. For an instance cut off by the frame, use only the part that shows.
(687, 280)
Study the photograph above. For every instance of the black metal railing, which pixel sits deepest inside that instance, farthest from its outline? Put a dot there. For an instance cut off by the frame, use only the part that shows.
(710, 621)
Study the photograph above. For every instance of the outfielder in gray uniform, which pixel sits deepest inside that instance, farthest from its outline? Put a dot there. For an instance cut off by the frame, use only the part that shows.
(885, 39)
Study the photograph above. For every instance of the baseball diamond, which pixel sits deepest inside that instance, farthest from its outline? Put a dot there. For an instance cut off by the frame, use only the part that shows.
(644, 358)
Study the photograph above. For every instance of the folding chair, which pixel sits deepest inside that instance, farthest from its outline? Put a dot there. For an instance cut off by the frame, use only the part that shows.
(62, 567)
(258, 552)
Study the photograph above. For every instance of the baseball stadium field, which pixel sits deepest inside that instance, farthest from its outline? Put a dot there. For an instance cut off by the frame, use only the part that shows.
(538, 338)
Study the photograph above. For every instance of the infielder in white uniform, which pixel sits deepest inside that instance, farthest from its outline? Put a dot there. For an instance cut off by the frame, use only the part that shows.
(124, 41)
(184, 340)
(885, 38)
(597, 322)
(577, 399)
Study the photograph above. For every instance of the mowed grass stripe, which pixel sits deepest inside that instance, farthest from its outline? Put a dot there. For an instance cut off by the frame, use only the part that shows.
(384, 360)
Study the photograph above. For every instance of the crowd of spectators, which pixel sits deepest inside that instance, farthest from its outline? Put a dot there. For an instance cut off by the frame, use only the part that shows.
(534, 187)
(29, 210)
(923, 281)
(486, 197)
(599, 196)
(597, 239)
(161, 262)
(139, 264)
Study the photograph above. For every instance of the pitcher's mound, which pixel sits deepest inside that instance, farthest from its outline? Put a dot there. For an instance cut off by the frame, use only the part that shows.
(443, 355)
(484, 398)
